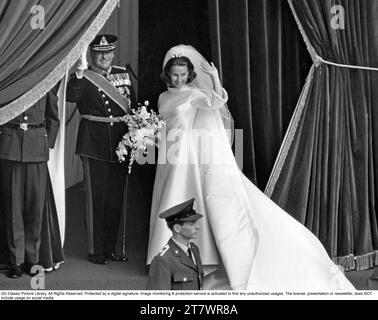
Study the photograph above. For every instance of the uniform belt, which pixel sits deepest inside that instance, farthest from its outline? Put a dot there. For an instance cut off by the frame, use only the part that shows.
(24, 126)
(102, 119)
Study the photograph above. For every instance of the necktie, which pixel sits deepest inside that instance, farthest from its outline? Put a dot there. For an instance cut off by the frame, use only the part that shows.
(190, 254)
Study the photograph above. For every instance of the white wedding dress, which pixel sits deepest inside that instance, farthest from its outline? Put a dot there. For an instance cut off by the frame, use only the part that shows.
(260, 246)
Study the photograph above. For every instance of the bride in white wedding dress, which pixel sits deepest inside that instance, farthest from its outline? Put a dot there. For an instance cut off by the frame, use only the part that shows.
(258, 245)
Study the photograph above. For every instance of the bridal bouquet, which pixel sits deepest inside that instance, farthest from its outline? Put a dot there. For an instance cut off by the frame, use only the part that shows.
(143, 132)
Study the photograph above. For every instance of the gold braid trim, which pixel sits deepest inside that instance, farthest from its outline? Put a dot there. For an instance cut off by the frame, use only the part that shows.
(20, 105)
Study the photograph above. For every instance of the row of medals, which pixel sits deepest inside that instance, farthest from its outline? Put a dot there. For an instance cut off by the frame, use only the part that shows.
(120, 81)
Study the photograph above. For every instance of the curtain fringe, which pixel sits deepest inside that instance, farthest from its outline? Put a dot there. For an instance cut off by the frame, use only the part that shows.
(26, 101)
(359, 263)
(307, 41)
(289, 137)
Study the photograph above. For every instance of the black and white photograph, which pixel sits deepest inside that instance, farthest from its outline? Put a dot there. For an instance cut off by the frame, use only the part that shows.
(188, 149)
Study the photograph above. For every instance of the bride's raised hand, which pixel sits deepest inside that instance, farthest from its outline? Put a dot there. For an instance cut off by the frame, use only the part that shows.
(212, 71)
(209, 69)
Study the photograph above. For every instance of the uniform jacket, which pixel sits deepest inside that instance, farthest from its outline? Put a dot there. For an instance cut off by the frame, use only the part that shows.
(33, 144)
(172, 269)
(99, 140)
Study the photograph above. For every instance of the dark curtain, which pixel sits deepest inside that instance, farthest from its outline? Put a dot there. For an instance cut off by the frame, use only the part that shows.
(263, 63)
(328, 179)
(28, 55)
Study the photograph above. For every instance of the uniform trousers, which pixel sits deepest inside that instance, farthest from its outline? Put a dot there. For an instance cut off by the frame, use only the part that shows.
(105, 184)
(24, 193)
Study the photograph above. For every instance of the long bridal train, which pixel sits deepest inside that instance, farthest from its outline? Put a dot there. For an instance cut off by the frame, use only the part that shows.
(260, 246)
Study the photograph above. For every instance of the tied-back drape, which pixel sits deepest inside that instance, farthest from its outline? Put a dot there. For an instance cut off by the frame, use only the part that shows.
(326, 172)
(33, 60)
(39, 42)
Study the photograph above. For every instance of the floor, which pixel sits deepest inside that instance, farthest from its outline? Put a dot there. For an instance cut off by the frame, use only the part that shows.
(78, 274)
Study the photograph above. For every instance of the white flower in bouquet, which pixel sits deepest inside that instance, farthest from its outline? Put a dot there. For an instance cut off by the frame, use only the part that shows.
(144, 129)
(144, 114)
(149, 142)
(122, 152)
(139, 136)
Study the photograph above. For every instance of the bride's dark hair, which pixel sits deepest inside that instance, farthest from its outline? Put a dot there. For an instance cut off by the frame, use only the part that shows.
(178, 61)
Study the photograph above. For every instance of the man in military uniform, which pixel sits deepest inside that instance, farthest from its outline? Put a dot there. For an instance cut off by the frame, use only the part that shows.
(178, 266)
(24, 152)
(103, 94)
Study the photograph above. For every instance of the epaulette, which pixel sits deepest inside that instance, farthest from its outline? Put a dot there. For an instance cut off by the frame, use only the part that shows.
(164, 250)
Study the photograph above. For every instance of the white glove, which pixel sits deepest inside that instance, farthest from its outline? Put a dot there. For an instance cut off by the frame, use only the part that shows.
(82, 65)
